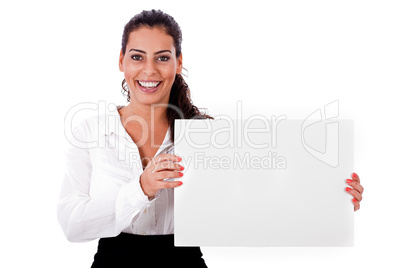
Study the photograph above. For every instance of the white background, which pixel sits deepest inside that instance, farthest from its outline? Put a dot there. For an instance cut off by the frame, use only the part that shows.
(288, 57)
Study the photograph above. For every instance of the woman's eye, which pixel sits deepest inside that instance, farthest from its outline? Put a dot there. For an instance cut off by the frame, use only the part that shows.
(136, 57)
(163, 58)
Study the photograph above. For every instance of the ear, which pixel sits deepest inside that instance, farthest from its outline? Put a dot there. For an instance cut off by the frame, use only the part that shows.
(121, 61)
(179, 64)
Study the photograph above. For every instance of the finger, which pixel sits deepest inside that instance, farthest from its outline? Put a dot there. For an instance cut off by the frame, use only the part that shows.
(355, 177)
(354, 193)
(356, 204)
(167, 165)
(166, 157)
(169, 184)
(161, 175)
(355, 185)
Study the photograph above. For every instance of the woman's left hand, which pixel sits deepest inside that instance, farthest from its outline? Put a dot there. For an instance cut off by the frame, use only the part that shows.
(355, 189)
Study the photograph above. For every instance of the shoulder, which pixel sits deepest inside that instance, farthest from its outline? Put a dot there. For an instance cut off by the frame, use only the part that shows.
(90, 128)
(85, 132)
(89, 124)
(204, 116)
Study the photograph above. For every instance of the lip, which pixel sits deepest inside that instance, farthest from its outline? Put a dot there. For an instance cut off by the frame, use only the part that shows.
(148, 90)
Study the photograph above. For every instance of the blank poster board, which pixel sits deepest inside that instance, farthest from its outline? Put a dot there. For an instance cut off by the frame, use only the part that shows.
(262, 182)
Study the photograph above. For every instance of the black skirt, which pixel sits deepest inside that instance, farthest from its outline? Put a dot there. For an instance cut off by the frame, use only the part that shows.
(130, 250)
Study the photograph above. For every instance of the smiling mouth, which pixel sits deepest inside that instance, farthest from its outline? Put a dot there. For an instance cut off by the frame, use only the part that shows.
(149, 84)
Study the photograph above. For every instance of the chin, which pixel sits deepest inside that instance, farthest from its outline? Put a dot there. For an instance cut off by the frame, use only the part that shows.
(150, 99)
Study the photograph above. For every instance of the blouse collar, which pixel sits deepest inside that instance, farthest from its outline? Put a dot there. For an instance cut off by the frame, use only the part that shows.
(110, 122)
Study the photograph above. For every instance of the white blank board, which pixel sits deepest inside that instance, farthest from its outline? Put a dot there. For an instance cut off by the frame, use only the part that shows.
(264, 183)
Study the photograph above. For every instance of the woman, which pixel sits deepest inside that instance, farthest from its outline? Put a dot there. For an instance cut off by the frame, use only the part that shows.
(133, 218)
(104, 194)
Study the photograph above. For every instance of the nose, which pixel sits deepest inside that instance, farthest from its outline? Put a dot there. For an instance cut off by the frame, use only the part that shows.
(149, 68)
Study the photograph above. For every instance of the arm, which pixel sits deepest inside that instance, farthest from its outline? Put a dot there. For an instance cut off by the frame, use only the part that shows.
(84, 218)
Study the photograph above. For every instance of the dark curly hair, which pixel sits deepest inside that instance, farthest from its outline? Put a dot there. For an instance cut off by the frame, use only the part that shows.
(180, 103)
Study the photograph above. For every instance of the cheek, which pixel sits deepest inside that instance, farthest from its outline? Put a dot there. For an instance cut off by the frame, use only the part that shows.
(131, 70)
(131, 74)
(170, 73)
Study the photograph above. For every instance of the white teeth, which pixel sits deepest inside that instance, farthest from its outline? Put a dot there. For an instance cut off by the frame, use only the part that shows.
(149, 84)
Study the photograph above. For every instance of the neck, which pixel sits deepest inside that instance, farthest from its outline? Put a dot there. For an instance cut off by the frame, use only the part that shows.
(152, 115)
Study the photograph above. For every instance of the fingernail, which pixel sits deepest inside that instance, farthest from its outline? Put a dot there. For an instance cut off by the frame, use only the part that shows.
(181, 168)
(348, 189)
(180, 183)
(354, 175)
(180, 174)
(354, 200)
(179, 158)
(348, 180)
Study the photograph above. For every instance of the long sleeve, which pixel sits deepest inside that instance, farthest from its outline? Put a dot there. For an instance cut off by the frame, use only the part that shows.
(84, 217)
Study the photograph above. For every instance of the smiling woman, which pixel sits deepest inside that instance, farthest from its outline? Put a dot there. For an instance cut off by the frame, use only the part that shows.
(150, 66)
(151, 52)
(129, 208)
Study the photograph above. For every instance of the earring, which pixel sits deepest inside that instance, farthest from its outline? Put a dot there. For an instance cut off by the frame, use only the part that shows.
(125, 87)
(184, 74)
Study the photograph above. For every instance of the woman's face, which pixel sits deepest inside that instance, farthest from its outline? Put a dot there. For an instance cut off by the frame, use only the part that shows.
(150, 65)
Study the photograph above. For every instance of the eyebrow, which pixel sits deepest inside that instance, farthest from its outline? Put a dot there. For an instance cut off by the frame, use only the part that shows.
(159, 52)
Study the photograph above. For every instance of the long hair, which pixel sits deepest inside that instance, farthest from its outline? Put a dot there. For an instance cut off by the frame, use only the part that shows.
(180, 103)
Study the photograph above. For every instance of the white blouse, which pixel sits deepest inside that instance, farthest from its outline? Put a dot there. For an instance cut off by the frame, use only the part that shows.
(101, 194)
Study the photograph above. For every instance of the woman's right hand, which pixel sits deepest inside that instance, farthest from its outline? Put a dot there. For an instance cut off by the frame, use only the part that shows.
(161, 167)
